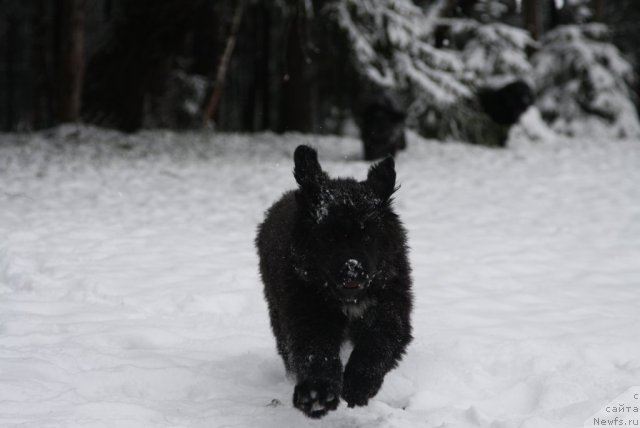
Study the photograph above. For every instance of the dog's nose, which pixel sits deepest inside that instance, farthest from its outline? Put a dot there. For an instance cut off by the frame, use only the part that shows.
(352, 270)
(353, 277)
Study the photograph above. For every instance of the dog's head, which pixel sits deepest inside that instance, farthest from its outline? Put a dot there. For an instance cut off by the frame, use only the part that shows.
(344, 225)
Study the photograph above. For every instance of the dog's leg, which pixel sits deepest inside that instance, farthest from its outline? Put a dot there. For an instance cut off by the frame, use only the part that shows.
(380, 339)
(314, 346)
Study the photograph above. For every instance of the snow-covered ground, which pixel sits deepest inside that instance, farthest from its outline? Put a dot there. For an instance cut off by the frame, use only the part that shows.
(129, 292)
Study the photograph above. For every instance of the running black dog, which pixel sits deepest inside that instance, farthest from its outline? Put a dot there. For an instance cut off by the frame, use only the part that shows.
(333, 259)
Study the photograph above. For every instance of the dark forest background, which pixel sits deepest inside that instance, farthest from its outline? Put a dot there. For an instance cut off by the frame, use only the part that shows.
(244, 65)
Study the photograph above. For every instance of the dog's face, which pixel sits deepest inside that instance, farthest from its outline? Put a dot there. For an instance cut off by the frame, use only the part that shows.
(342, 224)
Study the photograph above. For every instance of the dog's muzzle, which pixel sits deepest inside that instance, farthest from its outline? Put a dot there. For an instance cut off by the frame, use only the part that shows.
(353, 279)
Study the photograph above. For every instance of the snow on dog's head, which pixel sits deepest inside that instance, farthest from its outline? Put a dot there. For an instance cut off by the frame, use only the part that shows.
(344, 226)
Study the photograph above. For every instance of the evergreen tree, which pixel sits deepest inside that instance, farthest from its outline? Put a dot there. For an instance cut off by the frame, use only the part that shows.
(584, 83)
(438, 63)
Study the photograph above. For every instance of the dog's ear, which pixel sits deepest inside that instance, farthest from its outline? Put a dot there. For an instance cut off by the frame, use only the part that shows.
(307, 170)
(382, 178)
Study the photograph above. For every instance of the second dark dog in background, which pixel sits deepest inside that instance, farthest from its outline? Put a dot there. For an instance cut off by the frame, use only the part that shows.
(382, 124)
(506, 104)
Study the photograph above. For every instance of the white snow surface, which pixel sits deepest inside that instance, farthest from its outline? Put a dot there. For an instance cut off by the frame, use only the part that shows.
(130, 295)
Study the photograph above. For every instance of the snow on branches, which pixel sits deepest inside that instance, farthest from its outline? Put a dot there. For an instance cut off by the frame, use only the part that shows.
(584, 83)
(582, 80)
(438, 63)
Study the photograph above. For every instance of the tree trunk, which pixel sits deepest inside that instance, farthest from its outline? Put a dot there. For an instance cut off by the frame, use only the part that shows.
(9, 57)
(43, 106)
(298, 87)
(71, 72)
(530, 14)
(554, 18)
(214, 100)
(598, 14)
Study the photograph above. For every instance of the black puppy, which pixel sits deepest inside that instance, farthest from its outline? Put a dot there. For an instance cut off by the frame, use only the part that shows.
(333, 259)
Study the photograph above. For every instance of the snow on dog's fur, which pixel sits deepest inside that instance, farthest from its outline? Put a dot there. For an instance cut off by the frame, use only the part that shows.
(333, 259)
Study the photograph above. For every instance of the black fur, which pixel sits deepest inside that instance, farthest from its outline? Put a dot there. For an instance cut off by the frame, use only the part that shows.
(505, 105)
(333, 259)
(382, 125)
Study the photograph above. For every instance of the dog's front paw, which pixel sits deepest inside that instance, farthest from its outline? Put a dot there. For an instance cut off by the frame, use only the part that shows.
(316, 397)
(359, 386)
